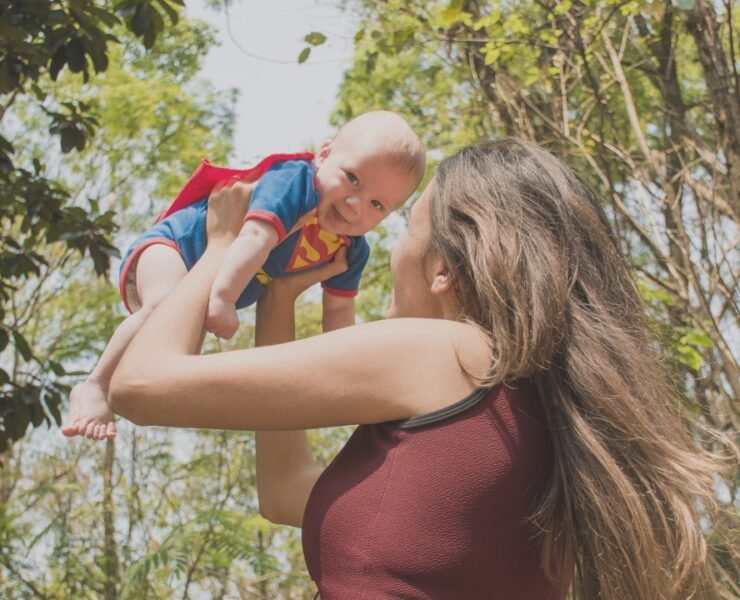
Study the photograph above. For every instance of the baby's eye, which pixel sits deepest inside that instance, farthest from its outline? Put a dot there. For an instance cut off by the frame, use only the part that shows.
(352, 178)
(376, 204)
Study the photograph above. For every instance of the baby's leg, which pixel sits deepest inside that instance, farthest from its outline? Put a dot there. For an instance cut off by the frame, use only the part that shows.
(159, 268)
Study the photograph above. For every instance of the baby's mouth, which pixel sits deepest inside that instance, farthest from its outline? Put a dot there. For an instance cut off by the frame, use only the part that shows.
(338, 216)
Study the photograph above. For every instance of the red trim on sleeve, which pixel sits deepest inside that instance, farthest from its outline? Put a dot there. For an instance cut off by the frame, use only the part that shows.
(342, 293)
(265, 215)
(131, 260)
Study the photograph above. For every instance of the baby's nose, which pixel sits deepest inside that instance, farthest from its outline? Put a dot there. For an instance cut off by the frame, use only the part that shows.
(353, 203)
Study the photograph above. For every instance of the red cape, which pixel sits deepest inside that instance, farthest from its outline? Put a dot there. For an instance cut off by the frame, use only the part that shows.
(206, 176)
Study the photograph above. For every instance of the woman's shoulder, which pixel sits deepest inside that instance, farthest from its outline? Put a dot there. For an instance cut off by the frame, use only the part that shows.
(430, 334)
(460, 336)
(431, 362)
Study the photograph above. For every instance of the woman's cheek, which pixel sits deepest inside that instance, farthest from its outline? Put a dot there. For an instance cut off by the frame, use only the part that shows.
(395, 279)
(391, 312)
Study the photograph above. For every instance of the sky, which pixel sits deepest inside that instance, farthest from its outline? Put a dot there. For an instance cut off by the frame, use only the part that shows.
(283, 106)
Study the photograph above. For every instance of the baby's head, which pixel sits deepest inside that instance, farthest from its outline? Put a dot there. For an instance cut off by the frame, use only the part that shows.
(369, 169)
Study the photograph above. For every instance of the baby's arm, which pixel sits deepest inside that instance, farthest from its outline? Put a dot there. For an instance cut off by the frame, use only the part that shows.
(246, 254)
(339, 311)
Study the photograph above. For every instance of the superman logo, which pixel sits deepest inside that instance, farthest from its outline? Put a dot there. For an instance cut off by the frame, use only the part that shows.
(314, 246)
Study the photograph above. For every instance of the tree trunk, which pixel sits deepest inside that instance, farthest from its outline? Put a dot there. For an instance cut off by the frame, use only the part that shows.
(724, 94)
(110, 551)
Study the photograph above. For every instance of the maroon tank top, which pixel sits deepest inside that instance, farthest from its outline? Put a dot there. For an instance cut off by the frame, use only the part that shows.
(436, 506)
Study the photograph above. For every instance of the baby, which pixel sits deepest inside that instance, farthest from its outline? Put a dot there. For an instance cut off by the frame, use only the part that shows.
(303, 210)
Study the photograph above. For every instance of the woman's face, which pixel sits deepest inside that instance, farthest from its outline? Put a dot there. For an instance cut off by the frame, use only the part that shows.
(411, 295)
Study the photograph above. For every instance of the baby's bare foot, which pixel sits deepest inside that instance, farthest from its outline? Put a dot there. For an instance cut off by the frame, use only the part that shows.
(89, 414)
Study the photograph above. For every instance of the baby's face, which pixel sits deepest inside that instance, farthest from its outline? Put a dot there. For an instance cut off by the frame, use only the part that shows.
(358, 186)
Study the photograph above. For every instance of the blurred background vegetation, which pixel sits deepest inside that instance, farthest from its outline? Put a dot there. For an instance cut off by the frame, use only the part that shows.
(102, 117)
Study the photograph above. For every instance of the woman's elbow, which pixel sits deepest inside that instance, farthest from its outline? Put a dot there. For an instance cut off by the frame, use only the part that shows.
(275, 511)
(267, 512)
(273, 514)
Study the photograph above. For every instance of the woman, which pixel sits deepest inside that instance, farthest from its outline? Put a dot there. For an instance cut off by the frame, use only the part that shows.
(517, 436)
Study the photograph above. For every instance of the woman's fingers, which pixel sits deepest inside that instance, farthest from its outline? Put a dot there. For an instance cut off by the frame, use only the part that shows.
(227, 205)
(228, 182)
(298, 283)
(337, 265)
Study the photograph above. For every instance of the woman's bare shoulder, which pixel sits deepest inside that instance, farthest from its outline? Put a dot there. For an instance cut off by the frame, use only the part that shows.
(425, 338)
(428, 362)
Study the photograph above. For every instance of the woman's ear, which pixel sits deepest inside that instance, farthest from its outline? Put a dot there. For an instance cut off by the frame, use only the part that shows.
(441, 277)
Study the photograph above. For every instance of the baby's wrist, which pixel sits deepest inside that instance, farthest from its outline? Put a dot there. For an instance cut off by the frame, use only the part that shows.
(219, 241)
(221, 297)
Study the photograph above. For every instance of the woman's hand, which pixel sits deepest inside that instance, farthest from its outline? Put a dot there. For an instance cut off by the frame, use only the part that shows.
(288, 288)
(227, 206)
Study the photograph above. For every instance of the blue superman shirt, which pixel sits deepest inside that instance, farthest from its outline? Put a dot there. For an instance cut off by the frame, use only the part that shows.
(285, 197)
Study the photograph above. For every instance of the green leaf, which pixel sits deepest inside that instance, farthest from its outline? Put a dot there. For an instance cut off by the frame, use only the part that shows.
(690, 357)
(104, 16)
(57, 368)
(75, 55)
(57, 62)
(531, 76)
(16, 422)
(54, 410)
(172, 12)
(37, 414)
(97, 53)
(697, 337)
(562, 7)
(22, 346)
(315, 38)
(141, 21)
(8, 77)
(5, 146)
(452, 14)
(491, 55)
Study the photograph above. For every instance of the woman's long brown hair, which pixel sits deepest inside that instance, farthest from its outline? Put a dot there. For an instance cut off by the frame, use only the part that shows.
(538, 269)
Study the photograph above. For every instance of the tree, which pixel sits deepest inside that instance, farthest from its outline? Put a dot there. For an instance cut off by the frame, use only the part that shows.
(39, 41)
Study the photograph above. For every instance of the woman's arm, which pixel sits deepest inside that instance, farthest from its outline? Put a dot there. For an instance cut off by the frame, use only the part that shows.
(363, 374)
(286, 469)
(337, 311)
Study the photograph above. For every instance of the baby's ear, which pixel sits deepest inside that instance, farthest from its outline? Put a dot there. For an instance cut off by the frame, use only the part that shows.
(324, 151)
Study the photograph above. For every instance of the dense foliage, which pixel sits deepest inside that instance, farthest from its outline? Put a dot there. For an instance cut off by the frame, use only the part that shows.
(41, 42)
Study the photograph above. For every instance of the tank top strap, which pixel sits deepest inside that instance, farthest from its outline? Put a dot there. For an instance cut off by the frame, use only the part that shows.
(443, 413)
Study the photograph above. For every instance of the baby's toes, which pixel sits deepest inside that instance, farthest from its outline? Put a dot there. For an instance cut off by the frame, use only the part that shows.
(72, 428)
(89, 430)
(110, 430)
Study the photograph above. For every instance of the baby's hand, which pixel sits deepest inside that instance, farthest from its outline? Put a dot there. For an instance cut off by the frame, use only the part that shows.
(222, 319)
